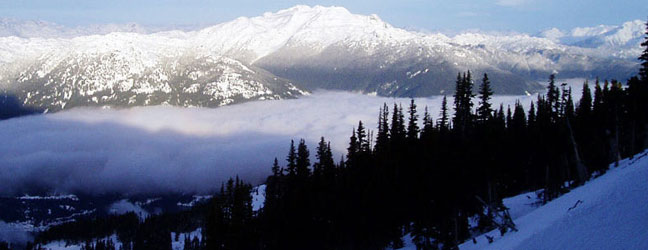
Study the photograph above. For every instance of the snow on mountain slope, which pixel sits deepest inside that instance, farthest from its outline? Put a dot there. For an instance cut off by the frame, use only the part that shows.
(276, 55)
(315, 27)
(43, 29)
(608, 212)
(621, 41)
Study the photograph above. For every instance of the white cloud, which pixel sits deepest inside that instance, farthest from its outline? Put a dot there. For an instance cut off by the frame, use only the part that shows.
(13, 233)
(169, 149)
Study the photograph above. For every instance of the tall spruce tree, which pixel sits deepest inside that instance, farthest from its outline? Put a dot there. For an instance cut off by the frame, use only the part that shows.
(428, 124)
(484, 111)
(363, 139)
(397, 132)
(443, 119)
(518, 123)
(412, 126)
(352, 150)
(532, 114)
(303, 160)
(320, 154)
(276, 170)
(382, 138)
(553, 96)
(291, 167)
(584, 109)
(463, 104)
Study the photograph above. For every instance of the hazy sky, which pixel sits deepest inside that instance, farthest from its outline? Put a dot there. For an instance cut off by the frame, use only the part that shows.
(448, 15)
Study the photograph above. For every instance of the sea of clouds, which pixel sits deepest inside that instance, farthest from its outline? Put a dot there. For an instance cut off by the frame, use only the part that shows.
(162, 149)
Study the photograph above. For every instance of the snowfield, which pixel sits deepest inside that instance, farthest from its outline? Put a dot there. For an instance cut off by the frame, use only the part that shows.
(609, 212)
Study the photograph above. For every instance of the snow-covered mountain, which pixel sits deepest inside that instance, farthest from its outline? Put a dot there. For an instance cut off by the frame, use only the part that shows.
(277, 55)
(621, 41)
(43, 29)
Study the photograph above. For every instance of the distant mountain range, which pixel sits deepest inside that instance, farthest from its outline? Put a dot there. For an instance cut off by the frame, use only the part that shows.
(287, 54)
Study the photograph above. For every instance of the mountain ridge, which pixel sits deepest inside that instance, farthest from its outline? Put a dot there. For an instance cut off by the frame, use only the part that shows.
(292, 52)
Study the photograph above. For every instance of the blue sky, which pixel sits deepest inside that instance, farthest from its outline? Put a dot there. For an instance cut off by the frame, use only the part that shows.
(433, 15)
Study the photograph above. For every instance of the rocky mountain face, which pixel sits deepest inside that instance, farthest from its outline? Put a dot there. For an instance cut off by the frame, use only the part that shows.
(287, 54)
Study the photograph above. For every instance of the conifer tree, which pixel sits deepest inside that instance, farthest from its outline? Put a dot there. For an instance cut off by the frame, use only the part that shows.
(363, 140)
(303, 160)
(484, 111)
(584, 108)
(463, 103)
(352, 150)
(324, 157)
(276, 170)
(291, 167)
(509, 116)
(500, 121)
(553, 96)
(532, 114)
(443, 119)
(428, 123)
(382, 138)
(518, 123)
(569, 105)
(397, 131)
(412, 126)
(597, 107)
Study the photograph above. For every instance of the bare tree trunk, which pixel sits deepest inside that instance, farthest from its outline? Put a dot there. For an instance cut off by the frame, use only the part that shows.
(547, 186)
(632, 140)
(580, 167)
(617, 152)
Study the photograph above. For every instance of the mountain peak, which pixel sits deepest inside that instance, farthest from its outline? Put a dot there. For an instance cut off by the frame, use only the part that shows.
(316, 8)
(314, 27)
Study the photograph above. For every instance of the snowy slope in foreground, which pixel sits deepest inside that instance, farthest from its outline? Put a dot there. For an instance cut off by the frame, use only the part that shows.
(613, 214)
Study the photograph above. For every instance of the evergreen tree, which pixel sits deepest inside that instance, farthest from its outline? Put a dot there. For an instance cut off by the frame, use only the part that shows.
(276, 170)
(303, 160)
(597, 107)
(509, 116)
(463, 103)
(363, 140)
(352, 150)
(569, 104)
(291, 167)
(584, 109)
(500, 120)
(532, 114)
(382, 138)
(553, 96)
(443, 119)
(412, 126)
(324, 157)
(397, 131)
(518, 123)
(428, 124)
(484, 111)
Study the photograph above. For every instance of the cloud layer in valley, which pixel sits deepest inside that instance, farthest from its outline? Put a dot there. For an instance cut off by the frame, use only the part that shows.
(168, 149)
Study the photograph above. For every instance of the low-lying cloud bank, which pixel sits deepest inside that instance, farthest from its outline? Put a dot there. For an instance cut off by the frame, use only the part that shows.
(169, 150)
(13, 233)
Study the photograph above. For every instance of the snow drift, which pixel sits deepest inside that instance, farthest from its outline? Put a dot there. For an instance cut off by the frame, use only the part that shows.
(609, 212)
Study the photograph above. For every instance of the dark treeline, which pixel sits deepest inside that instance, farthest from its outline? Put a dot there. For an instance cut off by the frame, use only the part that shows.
(430, 180)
